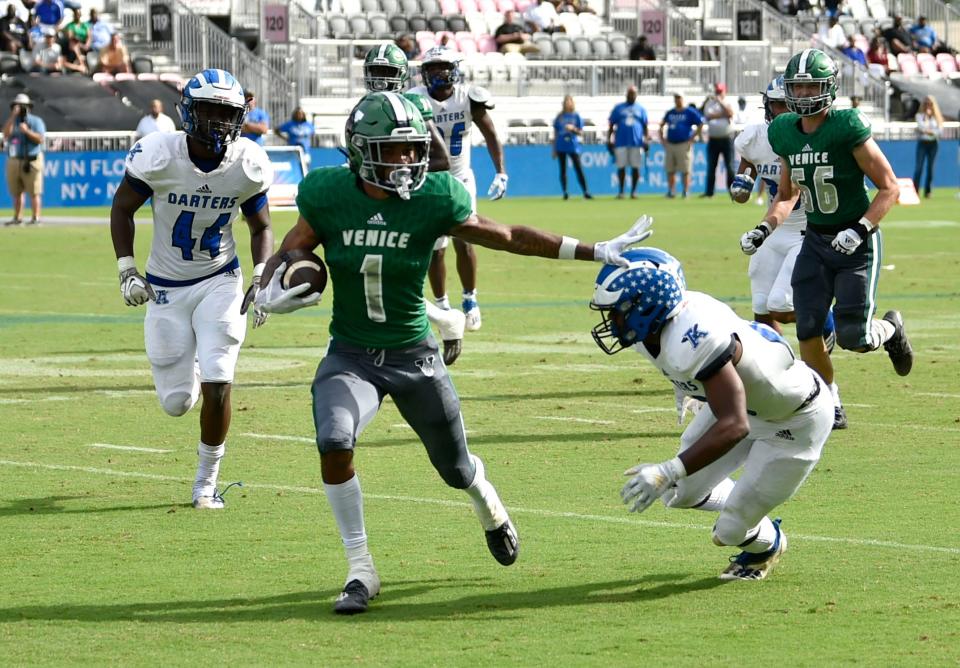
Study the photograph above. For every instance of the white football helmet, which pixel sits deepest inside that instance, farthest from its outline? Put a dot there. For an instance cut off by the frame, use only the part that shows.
(440, 68)
(212, 108)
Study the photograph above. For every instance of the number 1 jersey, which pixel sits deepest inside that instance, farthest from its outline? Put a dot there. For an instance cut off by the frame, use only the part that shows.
(193, 210)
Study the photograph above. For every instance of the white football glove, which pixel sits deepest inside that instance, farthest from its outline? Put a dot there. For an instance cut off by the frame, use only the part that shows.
(611, 252)
(752, 240)
(259, 316)
(650, 482)
(741, 187)
(274, 299)
(498, 188)
(135, 289)
(848, 240)
(686, 405)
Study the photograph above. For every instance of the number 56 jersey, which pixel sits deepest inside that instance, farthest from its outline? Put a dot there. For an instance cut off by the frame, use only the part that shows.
(193, 210)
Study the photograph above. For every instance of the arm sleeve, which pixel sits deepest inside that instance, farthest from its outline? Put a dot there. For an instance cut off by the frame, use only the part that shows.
(461, 204)
(138, 185)
(254, 204)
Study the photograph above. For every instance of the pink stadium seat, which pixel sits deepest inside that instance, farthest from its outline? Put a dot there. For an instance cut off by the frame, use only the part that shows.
(947, 63)
(125, 76)
(486, 44)
(148, 76)
(506, 5)
(451, 40)
(928, 64)
(102, 78)
(908, 64)
(426, 43)
(861, 43)
(449, 7)
(424, 34)
(466, 43)
(523, 4)
(467, 6)
(487, 6)
(892, 63)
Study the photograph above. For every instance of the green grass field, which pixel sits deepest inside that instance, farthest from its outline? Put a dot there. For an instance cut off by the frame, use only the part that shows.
(104, 562)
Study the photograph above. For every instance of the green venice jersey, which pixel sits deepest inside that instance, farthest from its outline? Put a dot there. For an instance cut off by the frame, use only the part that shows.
(378, 251)
(822, 164)
(424, 107)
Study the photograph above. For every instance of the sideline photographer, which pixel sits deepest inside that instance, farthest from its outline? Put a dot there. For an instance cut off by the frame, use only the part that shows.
(24, 133)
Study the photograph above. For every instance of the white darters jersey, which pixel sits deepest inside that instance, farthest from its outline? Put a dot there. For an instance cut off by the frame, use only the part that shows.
(752, 144)
(454, 121)
(696, 342)
(193, 210)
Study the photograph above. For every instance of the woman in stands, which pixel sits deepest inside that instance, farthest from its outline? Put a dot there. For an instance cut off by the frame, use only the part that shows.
(929, 129)
(568, 127)
(877, 53)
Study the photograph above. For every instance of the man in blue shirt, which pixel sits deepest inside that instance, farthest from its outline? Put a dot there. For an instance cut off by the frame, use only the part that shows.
(298, 130)
(924, 37)
(100, 32)
(257, 122)
(24, 133)
(853, 52)
(678, 130)
(49, 12)
(627, 138)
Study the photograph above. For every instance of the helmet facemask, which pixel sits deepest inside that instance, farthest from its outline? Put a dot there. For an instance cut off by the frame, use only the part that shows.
(438, 75)
(380, 78)
(808, 105)
(215, 125)
(381, 166)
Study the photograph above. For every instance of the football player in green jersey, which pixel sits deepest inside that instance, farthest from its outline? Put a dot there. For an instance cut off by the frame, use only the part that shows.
(826, 153)
(377, 221)
(385, 69)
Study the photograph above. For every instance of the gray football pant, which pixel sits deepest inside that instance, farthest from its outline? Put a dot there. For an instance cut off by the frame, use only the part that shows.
(351, 383)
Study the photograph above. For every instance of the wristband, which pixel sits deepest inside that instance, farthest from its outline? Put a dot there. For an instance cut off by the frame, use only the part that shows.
(675, 465)
(126, 262)
(258, 270)
(568, 248)
(766, 227)
(868, 228)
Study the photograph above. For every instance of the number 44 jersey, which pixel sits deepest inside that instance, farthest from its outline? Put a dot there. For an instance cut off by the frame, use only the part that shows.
(193, 210)
(822, 165)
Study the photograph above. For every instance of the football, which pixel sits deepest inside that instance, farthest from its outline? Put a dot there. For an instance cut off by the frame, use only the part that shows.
(303, 267)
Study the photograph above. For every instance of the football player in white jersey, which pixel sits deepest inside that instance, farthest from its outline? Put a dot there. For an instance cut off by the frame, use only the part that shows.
(765, 411)
(456, 107)
(196, 306)
(773, 254)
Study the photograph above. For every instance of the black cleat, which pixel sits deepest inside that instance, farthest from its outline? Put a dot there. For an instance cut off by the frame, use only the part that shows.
(839, 418)
(353, 600)
(503, 543)
(898, 346)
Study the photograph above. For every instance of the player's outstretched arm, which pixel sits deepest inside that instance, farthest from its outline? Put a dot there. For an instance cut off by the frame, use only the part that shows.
(522, 240)
(133, 287)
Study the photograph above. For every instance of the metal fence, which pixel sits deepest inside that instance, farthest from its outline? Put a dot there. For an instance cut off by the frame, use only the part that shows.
(55, 142)
(941, 16)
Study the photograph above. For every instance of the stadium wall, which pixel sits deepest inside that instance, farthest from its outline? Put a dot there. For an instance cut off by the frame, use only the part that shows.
(91, 178)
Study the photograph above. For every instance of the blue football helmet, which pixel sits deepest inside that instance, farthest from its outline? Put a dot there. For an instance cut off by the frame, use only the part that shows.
(212, 108)
(635, 301)
(775, 93)
(440, 68)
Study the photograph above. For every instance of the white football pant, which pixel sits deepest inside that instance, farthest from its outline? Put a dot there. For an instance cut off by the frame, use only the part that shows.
(201, 322)
(771, 268)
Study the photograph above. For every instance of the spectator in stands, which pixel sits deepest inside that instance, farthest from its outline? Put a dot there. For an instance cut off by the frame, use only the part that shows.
(851, 51)
(568, 126)
(46, 55)
(114, 59)
(640, 50)
(854, 101)
(298, 130)
(50, 13)
(13, 32)
(34, 33)
(100, 32)
(831, 8)
(898, 39)
(832, 33)
(877, 54)
(72, 59)
(741, 116)
(575, 6)
(925, 38)
(627, 139)
(719, 115)
(257, 122)
(409, 46)
(680, 127)
(155, 121)
(929, 129)
(542, 17)
(512, 36)
(24, 133)
(79, 29)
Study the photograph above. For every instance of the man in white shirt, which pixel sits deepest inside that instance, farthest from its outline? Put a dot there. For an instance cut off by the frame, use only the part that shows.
(155, 121)
(543, 17)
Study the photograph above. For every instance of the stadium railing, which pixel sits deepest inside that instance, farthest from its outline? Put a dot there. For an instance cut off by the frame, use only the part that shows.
(56, 142)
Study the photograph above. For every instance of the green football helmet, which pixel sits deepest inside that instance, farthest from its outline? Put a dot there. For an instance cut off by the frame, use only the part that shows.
(810, 66)
(378, 130)
(385, 69)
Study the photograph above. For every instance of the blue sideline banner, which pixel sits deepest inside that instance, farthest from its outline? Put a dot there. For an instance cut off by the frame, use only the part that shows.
(90, 179)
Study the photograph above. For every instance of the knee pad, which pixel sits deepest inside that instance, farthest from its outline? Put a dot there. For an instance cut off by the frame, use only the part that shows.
(729, 530)
(849, 333)
(458, 476)
(178, 403)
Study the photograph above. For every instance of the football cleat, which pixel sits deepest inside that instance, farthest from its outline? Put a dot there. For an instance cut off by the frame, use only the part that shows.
(751, 566)
(898, 346)
(354, 599)
(839, 417)
(208, 502)
(504, 543)
(472, 311)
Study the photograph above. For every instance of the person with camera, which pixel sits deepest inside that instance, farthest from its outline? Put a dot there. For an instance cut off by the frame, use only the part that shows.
(23, 133)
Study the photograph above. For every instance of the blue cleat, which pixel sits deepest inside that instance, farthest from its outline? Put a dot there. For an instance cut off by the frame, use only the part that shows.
(751, 566)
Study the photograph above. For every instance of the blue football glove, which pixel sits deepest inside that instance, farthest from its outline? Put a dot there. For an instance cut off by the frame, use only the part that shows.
(741, 187)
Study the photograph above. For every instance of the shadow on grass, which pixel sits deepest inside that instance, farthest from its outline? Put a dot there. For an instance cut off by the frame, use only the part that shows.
(50, 505)
(393, 605)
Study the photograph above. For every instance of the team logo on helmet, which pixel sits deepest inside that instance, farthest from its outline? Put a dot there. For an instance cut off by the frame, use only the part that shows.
(440, 68)
(212, 108)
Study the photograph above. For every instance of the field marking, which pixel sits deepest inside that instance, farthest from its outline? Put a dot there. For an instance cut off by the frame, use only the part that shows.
(135, 448)
(29, 401)
(560, 418)
(641, 411)
(581, 517)
(941, 395)
(278, 437)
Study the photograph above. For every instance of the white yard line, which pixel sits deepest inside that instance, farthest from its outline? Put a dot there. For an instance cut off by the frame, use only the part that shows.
(559, 418)
(111, 446)
(278, 437)
(580, 517)
(942, 395)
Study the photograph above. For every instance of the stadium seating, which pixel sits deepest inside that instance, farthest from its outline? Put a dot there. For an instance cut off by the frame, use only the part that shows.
(928, 64)
(948, 63)
(908, 64)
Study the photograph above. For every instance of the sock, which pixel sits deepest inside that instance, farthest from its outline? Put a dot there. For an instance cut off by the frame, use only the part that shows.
(765, 536)
(208, 468)
(835, 391)
(881, 331)
(443, 302)
(472, 294)
(486, 503)
(717, 497)
(829, 325)
(346, 502)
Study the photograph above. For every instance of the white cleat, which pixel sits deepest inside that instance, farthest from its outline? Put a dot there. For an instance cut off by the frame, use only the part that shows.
(472, 311)
(212, 502)
(751, 566)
